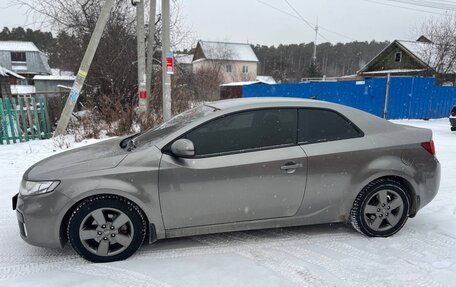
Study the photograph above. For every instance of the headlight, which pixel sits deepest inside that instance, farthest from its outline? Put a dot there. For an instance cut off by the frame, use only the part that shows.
(37, 187)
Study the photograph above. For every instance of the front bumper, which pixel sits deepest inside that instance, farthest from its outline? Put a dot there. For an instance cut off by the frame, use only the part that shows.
(39, 218)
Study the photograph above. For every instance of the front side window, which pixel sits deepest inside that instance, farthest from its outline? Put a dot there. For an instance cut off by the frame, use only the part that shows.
(245, 131)
(319, 125)
(174, 124)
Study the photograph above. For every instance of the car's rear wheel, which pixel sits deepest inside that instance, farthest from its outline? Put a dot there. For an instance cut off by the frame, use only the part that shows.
(106, 228)
(381, 208)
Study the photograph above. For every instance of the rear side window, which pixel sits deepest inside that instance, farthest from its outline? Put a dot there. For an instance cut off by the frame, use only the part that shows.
(319, 125)
(246, 131)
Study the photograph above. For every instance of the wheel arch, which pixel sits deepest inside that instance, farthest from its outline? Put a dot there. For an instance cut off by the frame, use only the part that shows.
(152, 225)
(404, 182)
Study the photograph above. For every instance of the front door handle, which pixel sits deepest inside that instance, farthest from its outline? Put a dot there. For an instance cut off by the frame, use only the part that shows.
(290, 167)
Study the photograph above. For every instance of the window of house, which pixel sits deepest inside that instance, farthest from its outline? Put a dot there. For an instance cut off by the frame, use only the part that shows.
(228, 68)
(245, 69)
(246, 131)
(398, 57)
(18, 57)
(319, 125)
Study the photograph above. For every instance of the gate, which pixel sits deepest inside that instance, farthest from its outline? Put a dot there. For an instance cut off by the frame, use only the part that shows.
(23, 119)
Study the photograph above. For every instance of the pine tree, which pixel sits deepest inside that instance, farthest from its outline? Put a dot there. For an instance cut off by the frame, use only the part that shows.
(314, 71)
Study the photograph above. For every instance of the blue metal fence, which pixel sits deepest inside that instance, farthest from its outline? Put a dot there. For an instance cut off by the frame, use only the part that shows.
(409, 98)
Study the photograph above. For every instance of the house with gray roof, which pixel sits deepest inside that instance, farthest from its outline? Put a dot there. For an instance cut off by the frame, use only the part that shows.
(410, 58)
(236, 61)
(23, 58)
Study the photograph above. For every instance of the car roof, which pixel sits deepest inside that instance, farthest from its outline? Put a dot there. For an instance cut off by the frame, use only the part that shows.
(364, 120)
(260, 102)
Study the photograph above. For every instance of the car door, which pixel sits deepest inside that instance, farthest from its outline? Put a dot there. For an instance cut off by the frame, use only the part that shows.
(335, 151)
(247, 167)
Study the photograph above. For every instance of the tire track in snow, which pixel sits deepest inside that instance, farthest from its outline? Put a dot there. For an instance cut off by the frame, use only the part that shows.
(125, 277)
(436, 238)
(274, 261)
(45, 264)
(330, 265)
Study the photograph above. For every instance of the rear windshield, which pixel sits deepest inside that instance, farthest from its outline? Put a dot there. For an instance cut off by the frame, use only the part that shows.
(174, 124)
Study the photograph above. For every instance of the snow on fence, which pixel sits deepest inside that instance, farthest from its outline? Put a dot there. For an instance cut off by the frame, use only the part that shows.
(24, 119)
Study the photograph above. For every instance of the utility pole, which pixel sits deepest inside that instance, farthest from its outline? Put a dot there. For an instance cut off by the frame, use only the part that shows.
(166, 78)
(314, 58)
(150, 50)
(140, 34)
(84, 68)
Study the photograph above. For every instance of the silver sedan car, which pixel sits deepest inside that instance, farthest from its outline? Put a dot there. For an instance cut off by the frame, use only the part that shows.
(228, 166)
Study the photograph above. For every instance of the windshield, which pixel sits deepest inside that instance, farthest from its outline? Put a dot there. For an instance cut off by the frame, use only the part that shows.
(174, 124)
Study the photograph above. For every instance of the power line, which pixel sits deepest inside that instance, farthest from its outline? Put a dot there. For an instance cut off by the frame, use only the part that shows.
(406, 8)
(299, 15)
(307, 22)
(314, 27)
(314, 58)
(441, 5)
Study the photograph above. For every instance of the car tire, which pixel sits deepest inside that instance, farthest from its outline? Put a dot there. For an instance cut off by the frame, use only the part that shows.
(106, 228)
(380, 209)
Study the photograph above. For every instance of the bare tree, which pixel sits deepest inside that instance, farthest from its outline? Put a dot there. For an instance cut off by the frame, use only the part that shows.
(440, 54)
(113, 72)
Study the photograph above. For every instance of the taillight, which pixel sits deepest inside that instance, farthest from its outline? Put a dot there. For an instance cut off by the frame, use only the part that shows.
(429, 146)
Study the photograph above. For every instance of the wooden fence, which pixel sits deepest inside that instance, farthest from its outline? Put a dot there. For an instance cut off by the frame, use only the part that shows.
(24, 119)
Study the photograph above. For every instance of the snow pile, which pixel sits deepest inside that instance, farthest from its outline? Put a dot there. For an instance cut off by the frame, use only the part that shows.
(329, 255)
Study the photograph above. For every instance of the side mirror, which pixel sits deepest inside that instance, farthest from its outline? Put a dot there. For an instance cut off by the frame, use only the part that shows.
(183, 148)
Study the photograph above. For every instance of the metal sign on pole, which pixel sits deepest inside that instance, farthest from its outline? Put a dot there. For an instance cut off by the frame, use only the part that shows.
(84, 68)
(170, 63)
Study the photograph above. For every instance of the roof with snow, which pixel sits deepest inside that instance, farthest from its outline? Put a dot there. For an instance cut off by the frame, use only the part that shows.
(395, 71)
(423, 51)
(5, 73)
(18, 46)
(212, 50)
(268, 80)
(22, 89)
(183, 58)
(54, 78)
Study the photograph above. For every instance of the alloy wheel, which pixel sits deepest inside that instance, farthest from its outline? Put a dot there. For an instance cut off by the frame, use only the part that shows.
(383, 210)
(106, 232)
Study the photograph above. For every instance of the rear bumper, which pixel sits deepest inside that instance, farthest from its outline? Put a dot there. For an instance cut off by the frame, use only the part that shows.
(430, 186)
(39, 218)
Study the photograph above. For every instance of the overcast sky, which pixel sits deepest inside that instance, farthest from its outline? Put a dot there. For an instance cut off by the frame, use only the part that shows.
(254, 22)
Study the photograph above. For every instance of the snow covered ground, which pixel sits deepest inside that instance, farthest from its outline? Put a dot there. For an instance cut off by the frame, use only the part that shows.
(422, 254)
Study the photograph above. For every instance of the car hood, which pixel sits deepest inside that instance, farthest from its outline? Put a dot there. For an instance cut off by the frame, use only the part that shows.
(103, 155)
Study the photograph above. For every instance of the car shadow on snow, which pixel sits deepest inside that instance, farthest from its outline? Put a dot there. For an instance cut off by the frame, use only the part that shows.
(271, 236)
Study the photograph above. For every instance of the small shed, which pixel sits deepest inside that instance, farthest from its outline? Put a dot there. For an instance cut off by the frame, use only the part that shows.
(45, 84)
(235, 90)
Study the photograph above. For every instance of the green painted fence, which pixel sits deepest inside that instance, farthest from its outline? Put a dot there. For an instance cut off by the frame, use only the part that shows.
(24, 119)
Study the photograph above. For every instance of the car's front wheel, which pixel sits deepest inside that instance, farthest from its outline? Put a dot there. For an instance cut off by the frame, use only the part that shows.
(106, 228)
(380, 209)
